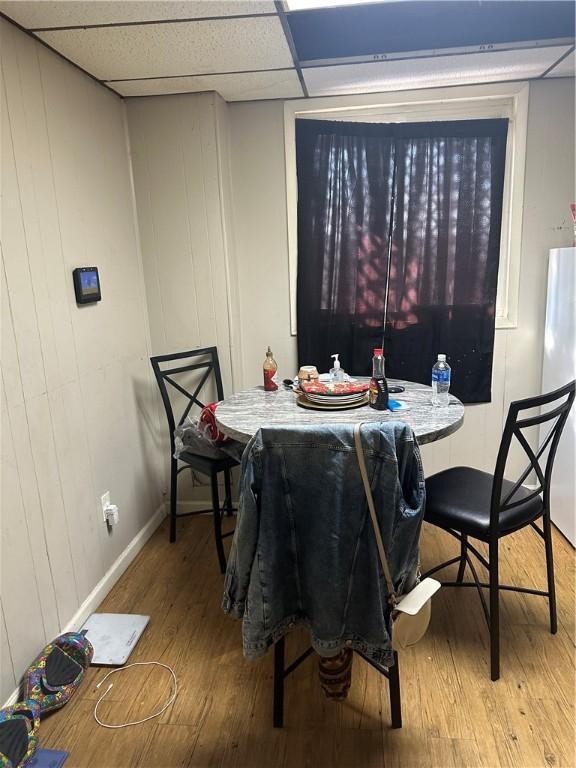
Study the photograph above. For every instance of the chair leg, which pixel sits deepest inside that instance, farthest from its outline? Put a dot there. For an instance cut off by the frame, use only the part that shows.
(173, 498)
(494, 611)
(547, 528)
(395, 701)
(462, 565)
(228, 488)
(278, 705)
(217, 523)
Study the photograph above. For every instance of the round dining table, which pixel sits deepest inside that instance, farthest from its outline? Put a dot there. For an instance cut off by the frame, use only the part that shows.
(241, 415)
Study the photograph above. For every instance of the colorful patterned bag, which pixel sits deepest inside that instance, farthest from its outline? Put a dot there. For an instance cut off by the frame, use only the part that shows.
(54, 676)
(18, 733)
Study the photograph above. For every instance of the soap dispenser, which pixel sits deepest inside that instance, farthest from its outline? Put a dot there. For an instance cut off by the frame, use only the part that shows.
(336, 373)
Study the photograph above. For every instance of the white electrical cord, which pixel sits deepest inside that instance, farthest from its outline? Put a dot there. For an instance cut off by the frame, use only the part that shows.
(150, 717)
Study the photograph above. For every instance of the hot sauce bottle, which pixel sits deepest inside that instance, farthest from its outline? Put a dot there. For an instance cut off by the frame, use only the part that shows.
(378, 392)
(270, 372)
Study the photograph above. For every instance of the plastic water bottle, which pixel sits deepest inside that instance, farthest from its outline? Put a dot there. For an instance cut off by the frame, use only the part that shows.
(440, 381)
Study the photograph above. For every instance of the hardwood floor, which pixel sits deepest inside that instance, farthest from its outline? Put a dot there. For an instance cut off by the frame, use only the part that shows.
(454, 717)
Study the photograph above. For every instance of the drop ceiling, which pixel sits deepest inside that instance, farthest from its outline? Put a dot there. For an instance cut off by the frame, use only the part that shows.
(277, 49)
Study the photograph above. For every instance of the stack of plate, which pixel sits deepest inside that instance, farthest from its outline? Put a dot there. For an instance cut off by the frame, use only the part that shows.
(335, 399)
(332, 403)
(330, 400)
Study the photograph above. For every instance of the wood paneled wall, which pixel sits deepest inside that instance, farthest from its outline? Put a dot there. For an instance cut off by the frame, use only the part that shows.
(179, 148)
(177, 156)
(79, 410)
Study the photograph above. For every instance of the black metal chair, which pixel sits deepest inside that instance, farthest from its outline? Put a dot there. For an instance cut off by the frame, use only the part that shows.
(466, 502)
(205, 458)
(281, 672)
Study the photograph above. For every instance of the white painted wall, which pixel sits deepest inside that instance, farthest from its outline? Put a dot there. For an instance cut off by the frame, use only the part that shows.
(179, 147)
(259, 209)
(78, 399)
(261, 237)
(175, 157)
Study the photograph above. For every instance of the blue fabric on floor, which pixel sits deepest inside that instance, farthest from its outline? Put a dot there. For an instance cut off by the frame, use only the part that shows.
(48, 758)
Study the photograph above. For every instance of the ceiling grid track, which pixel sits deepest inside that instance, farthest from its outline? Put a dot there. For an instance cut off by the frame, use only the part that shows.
(441, 53)
(146, 22)
(290, 40)
(198, 74)
(299, 98)
(559, 61)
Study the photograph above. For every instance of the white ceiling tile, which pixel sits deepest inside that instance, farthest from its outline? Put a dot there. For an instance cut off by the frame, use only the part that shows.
(239, 86)
(33, 15)
(566, 68)
(404, 74)
(188, 48)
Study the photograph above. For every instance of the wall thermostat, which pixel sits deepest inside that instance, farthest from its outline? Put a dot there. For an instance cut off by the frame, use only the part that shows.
(86, 285)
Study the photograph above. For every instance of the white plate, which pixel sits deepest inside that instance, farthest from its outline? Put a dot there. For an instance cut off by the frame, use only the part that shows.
(338, 395)
(333, 400)
(326, 396)
(303, 402)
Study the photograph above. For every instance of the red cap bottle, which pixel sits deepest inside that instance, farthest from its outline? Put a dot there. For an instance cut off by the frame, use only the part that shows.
(270, 372)
(378, 392)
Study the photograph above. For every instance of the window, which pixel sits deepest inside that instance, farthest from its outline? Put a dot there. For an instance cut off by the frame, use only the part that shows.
(398, 243)
(506, 100)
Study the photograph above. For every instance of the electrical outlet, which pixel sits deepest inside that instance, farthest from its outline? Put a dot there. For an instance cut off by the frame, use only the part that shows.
(105, 500)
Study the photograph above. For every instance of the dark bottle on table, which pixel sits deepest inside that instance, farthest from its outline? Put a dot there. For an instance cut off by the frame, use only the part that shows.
(378, 392)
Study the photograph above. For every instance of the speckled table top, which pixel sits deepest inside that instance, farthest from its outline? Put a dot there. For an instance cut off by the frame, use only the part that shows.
(241, 415)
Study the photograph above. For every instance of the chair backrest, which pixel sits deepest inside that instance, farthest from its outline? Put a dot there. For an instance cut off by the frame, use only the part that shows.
(168, 367)
(555, 408)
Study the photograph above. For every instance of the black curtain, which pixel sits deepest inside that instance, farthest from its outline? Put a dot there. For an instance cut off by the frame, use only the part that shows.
(345, 181)
(415, 207)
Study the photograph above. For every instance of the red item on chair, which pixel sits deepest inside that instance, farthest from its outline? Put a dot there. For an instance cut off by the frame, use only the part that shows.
(208, 423)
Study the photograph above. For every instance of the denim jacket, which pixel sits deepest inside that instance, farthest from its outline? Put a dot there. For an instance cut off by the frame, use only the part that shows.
(304, 551)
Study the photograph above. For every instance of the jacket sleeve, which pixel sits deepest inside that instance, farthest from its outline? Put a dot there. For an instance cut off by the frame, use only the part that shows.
(245, 539)
(409, 524)
(410, 471)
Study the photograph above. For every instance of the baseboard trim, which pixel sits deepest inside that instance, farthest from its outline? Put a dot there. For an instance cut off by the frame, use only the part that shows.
(12, 699)
(108, 580)
(115, 571)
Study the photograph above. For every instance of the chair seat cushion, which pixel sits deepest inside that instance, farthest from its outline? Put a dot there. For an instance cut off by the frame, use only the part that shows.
(234, 449)
(196, 445)
(459, 498)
